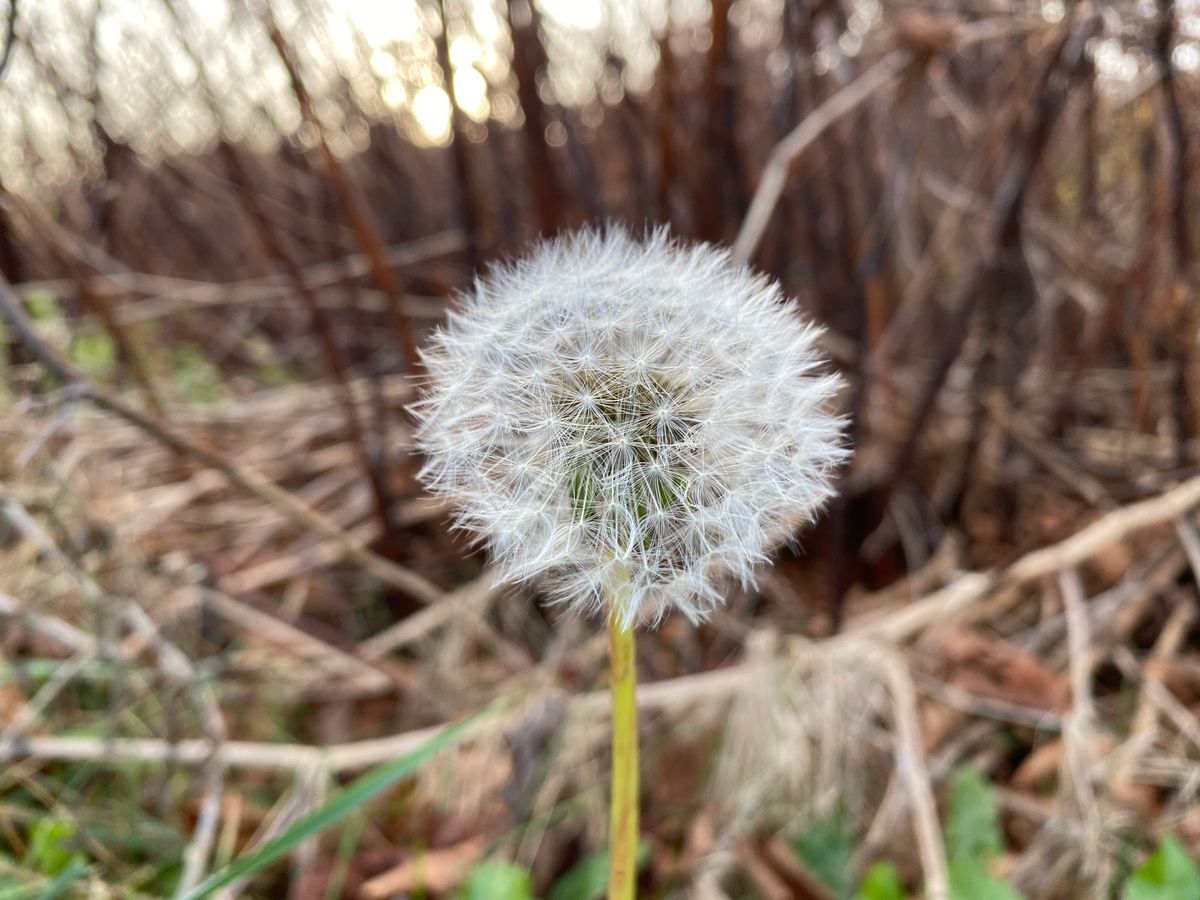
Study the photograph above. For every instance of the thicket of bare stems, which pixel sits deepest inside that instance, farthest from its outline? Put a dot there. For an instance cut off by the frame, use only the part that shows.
(216, 539)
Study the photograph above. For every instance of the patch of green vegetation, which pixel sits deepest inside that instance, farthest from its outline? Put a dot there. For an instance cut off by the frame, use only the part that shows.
(497, 880)
(52, 846)
(972, 829)
(43, 309)
(270, 369)
(340, 807)
(1170, 873)
(588, 878)
(973, 839)
(970, 879)
(194, 377)
(93, 352)
(29, 886)
(274, 375)
(882, 882)
(42, 306)
(827, 848)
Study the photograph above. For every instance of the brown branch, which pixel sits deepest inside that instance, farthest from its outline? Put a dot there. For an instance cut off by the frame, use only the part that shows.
(1178, 189)
(707, 687)
(250, 200)
(1003, 233)
(969, 588)
(667, 123)
(349, 198)
(1182, 408)
(786, 152)
(469, 210)
(251, 290)
(528, 57)
(93, 301)
(721, 166)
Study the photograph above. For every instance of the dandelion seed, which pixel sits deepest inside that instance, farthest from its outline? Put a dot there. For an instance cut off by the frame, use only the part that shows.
(607, 404)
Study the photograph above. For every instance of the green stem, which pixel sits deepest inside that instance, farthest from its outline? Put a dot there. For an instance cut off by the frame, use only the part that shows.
(623, 827)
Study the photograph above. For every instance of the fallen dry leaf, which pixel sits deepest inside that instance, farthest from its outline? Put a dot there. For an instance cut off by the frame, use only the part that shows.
(437, 871)
(991, 667)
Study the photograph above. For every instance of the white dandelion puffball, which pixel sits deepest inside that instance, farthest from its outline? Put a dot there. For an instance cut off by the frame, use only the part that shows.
(631, 422)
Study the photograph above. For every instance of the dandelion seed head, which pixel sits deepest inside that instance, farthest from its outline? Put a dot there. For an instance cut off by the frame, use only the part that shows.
(611, 409)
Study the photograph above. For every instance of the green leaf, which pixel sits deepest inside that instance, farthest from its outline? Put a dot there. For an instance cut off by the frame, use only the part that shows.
(497, 880)
(51, 848)
(1170, 873)
(42, 305)
(882, 882)
(970, 880)
(588, 878)
(93, 351)
(827, 848)
(360, 792)
(972, 828)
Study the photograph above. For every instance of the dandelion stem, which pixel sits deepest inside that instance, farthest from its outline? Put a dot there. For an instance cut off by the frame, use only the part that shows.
(623, 829)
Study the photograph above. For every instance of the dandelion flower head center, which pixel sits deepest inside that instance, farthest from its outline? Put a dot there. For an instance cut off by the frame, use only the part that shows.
(626, 429)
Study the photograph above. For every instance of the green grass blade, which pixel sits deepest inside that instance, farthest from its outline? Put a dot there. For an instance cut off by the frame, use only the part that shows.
(75, 870)
(71, 874)
(340, 806)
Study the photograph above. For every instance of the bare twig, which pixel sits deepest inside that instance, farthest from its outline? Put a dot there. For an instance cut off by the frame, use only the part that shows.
(178, 668)
(971, 587)
(196, 294)
(910, 765)
(284, 635)
(774, 177)
(1178, 129)
(322, 321)
(1003, 233)
(467, 600)
(349, 198)
(55, 629)
(1079, 732)
(676, 693)
(1186, 529)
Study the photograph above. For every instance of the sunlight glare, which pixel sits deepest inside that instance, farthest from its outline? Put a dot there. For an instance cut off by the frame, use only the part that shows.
(583, 14)
(394, 93)
(384, 23)
(470, 89)
(431, 109)
(463, 51)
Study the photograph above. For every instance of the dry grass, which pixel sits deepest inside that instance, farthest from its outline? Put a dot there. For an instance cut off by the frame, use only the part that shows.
(222, 593)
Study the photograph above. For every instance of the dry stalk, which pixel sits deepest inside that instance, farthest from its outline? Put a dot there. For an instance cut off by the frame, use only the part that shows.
(244, 477)
(1077, 778)
(914, 774)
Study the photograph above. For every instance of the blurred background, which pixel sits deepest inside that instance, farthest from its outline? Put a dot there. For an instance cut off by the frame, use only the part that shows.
(226, 227)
